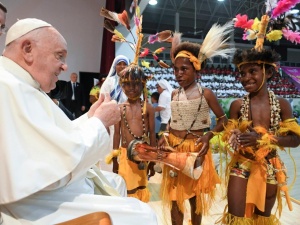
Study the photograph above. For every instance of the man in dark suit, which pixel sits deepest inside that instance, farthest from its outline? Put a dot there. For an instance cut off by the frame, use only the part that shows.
(74, 99)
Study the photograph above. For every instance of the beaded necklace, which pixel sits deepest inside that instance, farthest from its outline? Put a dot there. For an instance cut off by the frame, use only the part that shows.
(275, 110)
(144, 136)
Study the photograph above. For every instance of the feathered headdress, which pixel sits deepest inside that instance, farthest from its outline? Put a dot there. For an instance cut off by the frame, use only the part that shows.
(133, 71)
(137, 44)
(279, 20)
(215, 43)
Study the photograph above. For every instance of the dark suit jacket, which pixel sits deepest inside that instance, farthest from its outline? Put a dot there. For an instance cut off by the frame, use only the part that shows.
(66, 111)
(79, 95)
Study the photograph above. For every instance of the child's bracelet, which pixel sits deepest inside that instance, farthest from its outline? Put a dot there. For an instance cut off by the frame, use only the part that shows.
(220, 117)
(210, 132)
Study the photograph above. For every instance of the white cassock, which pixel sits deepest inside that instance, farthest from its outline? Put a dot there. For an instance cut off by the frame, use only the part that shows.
(46, 159)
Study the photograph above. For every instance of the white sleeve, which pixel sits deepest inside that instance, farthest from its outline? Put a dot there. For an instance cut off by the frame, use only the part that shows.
(107, 86)
(39, 142)
(163, 100)
(80, 120)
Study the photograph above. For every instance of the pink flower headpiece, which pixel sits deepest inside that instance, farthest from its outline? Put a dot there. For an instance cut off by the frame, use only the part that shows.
(279, 21)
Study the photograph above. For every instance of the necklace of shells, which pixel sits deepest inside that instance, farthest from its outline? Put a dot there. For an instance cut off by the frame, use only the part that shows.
(275, 111)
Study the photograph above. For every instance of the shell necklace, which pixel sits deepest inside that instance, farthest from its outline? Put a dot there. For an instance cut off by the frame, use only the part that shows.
(275, 111)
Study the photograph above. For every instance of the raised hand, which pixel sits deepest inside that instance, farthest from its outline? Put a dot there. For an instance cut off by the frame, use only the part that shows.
(93, 108)
(204, 140)
(108, 111)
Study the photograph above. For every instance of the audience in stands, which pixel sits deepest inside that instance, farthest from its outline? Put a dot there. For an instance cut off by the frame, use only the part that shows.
(224, 82)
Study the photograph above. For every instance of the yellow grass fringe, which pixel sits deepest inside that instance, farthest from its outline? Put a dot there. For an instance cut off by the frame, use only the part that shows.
(261, 220)
(204, 189)
(229, 219)
(289, 125)
(266, 144)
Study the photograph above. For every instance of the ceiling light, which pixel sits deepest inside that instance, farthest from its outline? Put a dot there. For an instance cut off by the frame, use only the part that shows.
(153, 2)
(220, 0)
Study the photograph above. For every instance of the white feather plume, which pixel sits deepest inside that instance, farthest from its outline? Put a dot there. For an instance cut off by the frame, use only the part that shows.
(175, 42)
(270, 4)
(216, 42)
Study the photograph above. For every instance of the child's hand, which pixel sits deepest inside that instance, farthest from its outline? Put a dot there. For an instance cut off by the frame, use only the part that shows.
(233, 139)
(161, 141)
(248, 139)
(204, 140)
(108, 111)
(95, 106)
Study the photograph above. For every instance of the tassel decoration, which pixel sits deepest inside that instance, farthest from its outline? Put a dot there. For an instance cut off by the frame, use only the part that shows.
(115, 38)
(108, 26)
(163, 64)
(165, 36)
(160, 62)
(144, 53)
(108, 14)
(159, 50)
(145, 64)
(121, 18)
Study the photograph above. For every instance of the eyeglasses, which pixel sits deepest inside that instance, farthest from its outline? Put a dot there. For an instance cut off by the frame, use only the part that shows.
(3, 29)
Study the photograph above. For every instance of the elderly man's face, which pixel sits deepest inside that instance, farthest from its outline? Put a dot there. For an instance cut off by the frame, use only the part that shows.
(49, 55)
(73, 77)
(2, 21)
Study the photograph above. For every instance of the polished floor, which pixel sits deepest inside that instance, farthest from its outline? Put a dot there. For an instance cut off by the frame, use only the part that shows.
(287, 218)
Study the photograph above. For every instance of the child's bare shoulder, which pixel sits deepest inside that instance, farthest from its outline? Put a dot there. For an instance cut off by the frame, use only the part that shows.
(149, 105)
(284, 103)
(236, 104)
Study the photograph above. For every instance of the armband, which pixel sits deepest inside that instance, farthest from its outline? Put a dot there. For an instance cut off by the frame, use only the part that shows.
(210, 132)
(220, 117)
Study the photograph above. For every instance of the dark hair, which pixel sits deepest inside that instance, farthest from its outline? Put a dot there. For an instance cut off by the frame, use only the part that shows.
(193, 48)
(155, 95)
(251, 55)
(187, 46)
(3, 8)
(133, 73)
